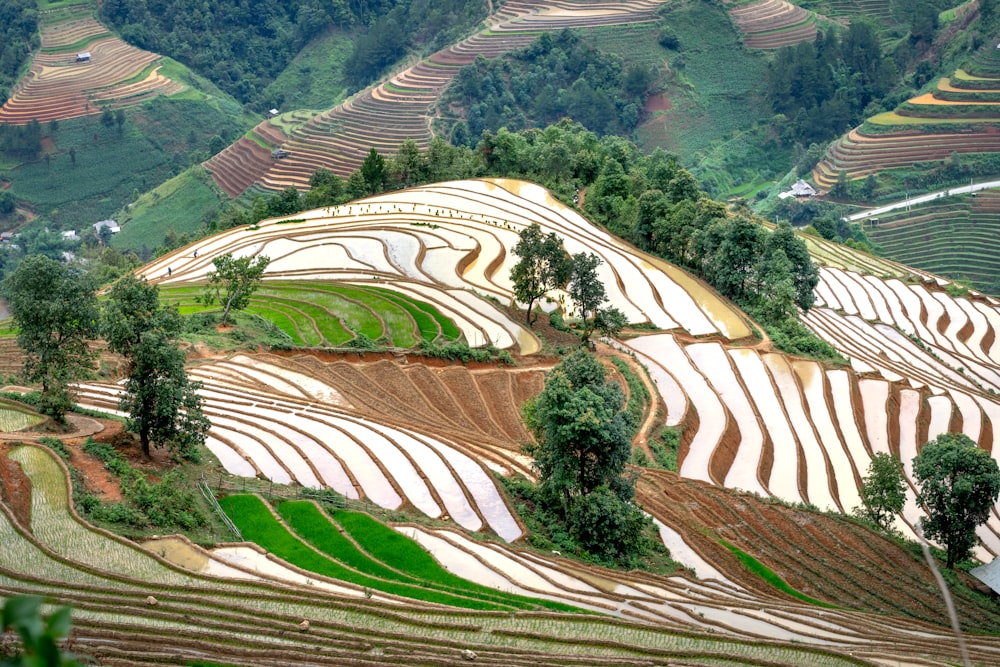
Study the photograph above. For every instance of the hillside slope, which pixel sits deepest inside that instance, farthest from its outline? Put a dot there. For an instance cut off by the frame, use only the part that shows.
(407, 435)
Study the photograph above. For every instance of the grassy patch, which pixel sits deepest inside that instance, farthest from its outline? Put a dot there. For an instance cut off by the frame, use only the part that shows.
(182, 204)
(315, 78)
(405, 560)
(765, 573)
(258, 525)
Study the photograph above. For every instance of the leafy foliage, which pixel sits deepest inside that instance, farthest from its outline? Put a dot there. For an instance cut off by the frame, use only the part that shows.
(590, 296)
(584, 438)
(54, 307)
(824, 87)
(169, 503)
(543, 266)
(39, 637)
(234, 281)
(958, 485)
(18, 38)
(163, 406)
(883, 491)
(558, 76)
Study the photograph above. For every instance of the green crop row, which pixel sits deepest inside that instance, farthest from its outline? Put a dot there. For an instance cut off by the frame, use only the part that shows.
(259, 525)
(374, 548)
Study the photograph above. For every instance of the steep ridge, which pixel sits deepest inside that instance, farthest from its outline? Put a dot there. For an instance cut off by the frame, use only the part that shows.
(398, 109)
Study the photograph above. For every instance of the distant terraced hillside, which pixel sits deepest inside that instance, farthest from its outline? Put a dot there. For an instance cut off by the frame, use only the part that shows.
(58, 87)
(960, 116)
(398, 109)
(772, 24)
(951, 237)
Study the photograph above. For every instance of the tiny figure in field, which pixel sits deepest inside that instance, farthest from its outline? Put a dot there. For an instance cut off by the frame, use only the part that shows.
(195, 253)
(169, 271)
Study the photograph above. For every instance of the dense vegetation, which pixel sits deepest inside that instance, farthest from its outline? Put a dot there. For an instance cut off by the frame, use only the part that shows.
(271, 34)
(823, 88)
(18, 38)
(560, 76)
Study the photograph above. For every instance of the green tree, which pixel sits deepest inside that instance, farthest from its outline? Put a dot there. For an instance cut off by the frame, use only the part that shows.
(163, 405)
(584, 438)
(39, 637)
(543, 266)
(883, 491)
(374, 172)
(805, 275)
(589, 295)
(233, 282)
(958, 485)
(54, 308)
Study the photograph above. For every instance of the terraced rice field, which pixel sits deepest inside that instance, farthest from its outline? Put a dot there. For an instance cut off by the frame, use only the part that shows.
(951, 238)
(148, 609)
(290, 422)
(772, 24)
(319, 314)
(57, 87)
(795, 430)
(920, 130)
(447, 244)
(398, 109)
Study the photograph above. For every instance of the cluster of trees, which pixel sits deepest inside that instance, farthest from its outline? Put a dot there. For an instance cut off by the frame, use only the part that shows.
(959, 483)
(56, 314)
(21, 141)
(200, 34)
(426, 24)
(544, 266)
(647, 199)
(583, 441)
(558, 76)
(18, 38)
(823, 88)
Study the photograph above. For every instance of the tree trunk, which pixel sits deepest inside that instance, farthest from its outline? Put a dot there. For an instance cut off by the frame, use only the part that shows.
(144, 442)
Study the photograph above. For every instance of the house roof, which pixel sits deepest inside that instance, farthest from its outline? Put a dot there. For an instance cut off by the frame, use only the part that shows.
(989, 574)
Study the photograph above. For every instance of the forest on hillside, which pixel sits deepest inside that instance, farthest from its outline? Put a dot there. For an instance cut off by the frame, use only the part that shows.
(201, 34)
(558, 76)
(18, 38)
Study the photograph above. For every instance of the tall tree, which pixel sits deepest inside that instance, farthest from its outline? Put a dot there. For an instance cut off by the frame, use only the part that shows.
(54, 307)
(584, 438)
(233, 282)
(374, 172)
(805, 275)
(543, 266)
(163, 405)
(589, 296)
(959, 482)
(883, 491)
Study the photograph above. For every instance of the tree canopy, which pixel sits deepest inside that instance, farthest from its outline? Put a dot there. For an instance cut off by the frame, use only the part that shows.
(233, 282)
(883, 490)
(959, 482)
(543, 266)
(584, 440)
(164, 407)
(54, 307)
(589, 296)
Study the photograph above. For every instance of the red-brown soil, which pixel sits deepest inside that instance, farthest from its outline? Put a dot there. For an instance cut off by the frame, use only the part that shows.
(658, 103)
(824, 556)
